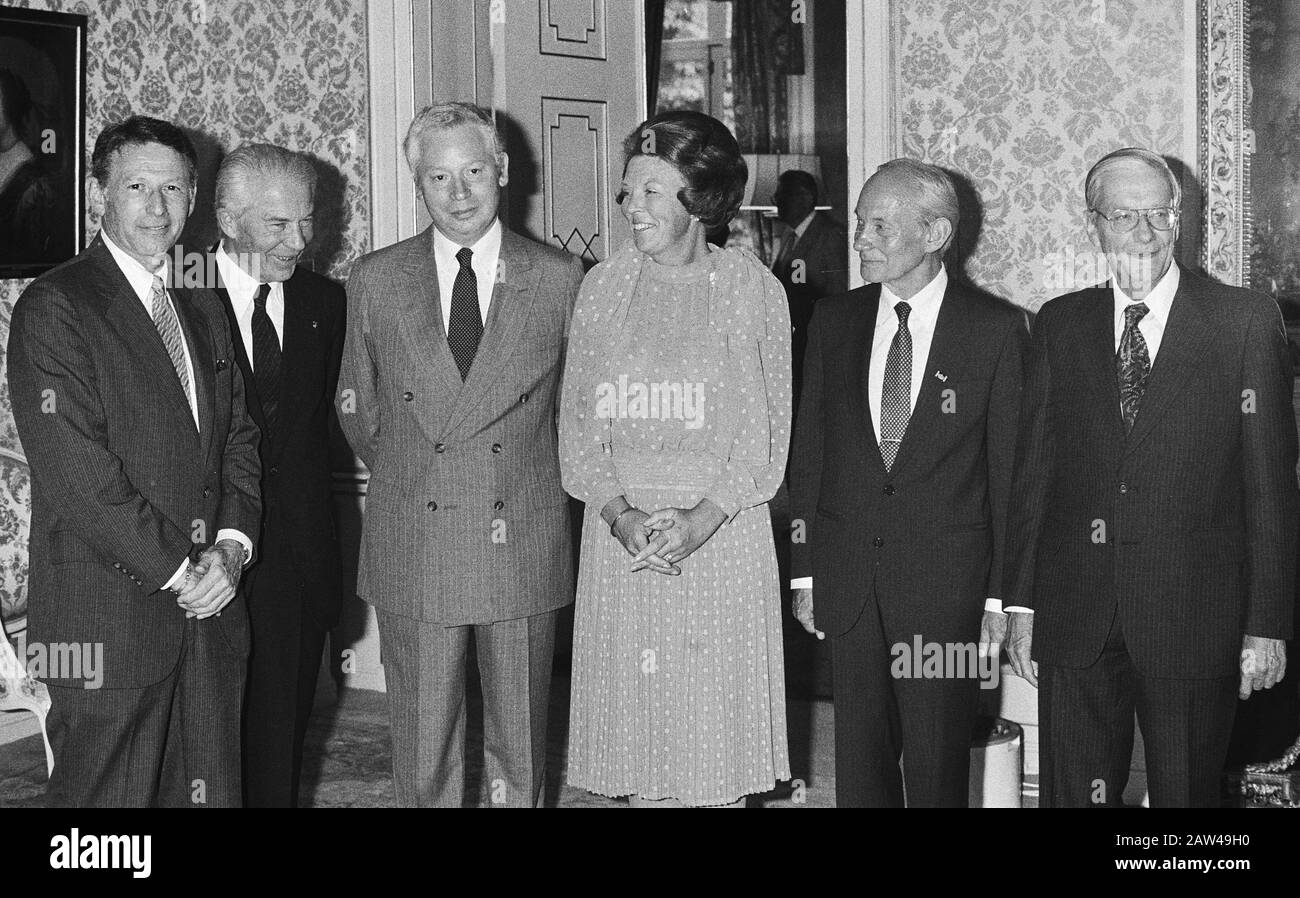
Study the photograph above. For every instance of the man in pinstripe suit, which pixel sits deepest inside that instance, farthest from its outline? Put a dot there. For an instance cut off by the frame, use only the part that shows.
(1153, 525)
(131, 410)
(455, 344)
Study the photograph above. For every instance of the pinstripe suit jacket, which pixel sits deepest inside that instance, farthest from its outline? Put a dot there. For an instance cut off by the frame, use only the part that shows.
(123, 487)
(1188, 523)
(465, 521)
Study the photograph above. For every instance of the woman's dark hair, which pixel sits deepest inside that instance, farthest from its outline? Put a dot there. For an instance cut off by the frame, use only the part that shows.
(707, 155)
(15, 99)
(139, 129)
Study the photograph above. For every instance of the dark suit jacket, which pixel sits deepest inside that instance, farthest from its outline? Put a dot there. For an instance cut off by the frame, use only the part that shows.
(1188, 524)
(823, 250)
(123, 487)
(928, 536)
(298, 534)
(465, 520)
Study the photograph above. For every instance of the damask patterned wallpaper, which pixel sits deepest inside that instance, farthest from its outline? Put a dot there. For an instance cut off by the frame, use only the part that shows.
(292, 72)
(1022, 96)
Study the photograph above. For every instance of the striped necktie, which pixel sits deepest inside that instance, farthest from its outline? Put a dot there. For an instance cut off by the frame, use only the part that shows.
(169, 328)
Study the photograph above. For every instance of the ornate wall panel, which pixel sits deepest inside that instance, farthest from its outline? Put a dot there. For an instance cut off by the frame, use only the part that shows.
(576, 171)
(572, 28)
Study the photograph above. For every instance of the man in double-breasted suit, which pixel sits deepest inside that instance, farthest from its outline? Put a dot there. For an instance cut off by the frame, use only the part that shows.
(450, 373)
(288, 325)
(1153, 533)
(899, 482)
(144, 491)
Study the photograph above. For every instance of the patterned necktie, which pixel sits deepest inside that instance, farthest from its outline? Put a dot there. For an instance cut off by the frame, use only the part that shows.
(169, 328)
(465, 326)
(896, 398)
(266, 360)
(1133, 362)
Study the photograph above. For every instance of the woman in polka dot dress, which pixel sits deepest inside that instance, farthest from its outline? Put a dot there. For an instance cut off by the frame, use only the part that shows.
(674, 429)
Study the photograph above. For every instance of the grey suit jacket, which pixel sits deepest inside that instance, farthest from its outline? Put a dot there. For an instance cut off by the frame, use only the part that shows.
(466, 521)
(123, 486)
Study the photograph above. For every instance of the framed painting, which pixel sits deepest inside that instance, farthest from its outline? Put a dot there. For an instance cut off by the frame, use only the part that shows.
(42, 132)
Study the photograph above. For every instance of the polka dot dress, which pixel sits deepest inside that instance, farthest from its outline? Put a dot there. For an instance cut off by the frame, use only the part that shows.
(678, 388)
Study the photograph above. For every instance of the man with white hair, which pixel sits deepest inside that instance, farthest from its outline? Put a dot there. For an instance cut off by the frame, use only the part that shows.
(289, 328)
(899, 482)
(1153, 532)
(455, 345)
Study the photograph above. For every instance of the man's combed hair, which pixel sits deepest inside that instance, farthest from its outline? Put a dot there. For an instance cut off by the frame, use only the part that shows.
(448, 115)
(707, 155)
(935, 193)
(258, 159)
(136, 131)
(1092, 183)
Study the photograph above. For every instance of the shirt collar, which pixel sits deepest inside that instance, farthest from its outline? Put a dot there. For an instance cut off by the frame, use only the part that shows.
(925, 301)
(238, 282)
(489, 245)
(140, 278)
(1158, 301)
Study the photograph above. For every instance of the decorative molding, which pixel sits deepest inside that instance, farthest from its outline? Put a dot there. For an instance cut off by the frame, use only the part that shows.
(871, 30)
(579, 32)
(575, 163)
(1226, 139)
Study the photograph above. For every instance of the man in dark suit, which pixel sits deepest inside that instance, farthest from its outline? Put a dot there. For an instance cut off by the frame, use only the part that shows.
(455, 346)
(131, 410)
(289, 325)
(811, 261)
(1153, 531)
(900, 476)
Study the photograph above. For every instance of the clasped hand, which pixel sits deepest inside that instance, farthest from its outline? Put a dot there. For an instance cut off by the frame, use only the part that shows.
(660, 541)
(212, 580)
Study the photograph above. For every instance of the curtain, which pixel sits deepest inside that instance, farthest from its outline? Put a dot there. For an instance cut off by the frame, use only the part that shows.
(654, 44)
(766, 46)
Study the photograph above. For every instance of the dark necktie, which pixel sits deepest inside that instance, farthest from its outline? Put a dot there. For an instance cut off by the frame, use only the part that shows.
(266, 360)
(465, 325)
(1134, 364)
(896, 397)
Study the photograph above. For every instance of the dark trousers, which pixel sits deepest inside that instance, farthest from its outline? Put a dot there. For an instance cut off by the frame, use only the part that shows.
(424, 668)
(283, 665)
(174, 743)
(878, 718)
(1086, 720)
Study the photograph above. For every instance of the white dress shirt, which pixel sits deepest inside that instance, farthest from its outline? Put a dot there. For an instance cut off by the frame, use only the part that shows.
(487, 252)
(1159, 301)
(141, 281)
(242, 288)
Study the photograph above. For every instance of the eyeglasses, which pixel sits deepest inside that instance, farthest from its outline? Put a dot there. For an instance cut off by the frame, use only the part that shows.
(1160, 219)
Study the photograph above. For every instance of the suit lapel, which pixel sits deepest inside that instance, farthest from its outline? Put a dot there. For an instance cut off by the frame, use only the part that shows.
(416, 289)
(1187, 336)
(199, 340)
(251, 399)
(300, 341)
(945, 356)
(512, 298)
(141, 340)
(864, 336)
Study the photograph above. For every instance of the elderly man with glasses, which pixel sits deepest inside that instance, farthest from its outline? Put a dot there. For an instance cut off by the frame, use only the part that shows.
(1152, 540)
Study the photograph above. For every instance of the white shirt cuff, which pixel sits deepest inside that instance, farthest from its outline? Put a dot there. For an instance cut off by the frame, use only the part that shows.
(239, 537)
(1018, 609)
(179, 577)
(801, 583)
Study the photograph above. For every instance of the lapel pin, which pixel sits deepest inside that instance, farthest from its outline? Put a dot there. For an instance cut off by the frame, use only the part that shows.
(221, 364)
(943, 377)
(313, 325)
